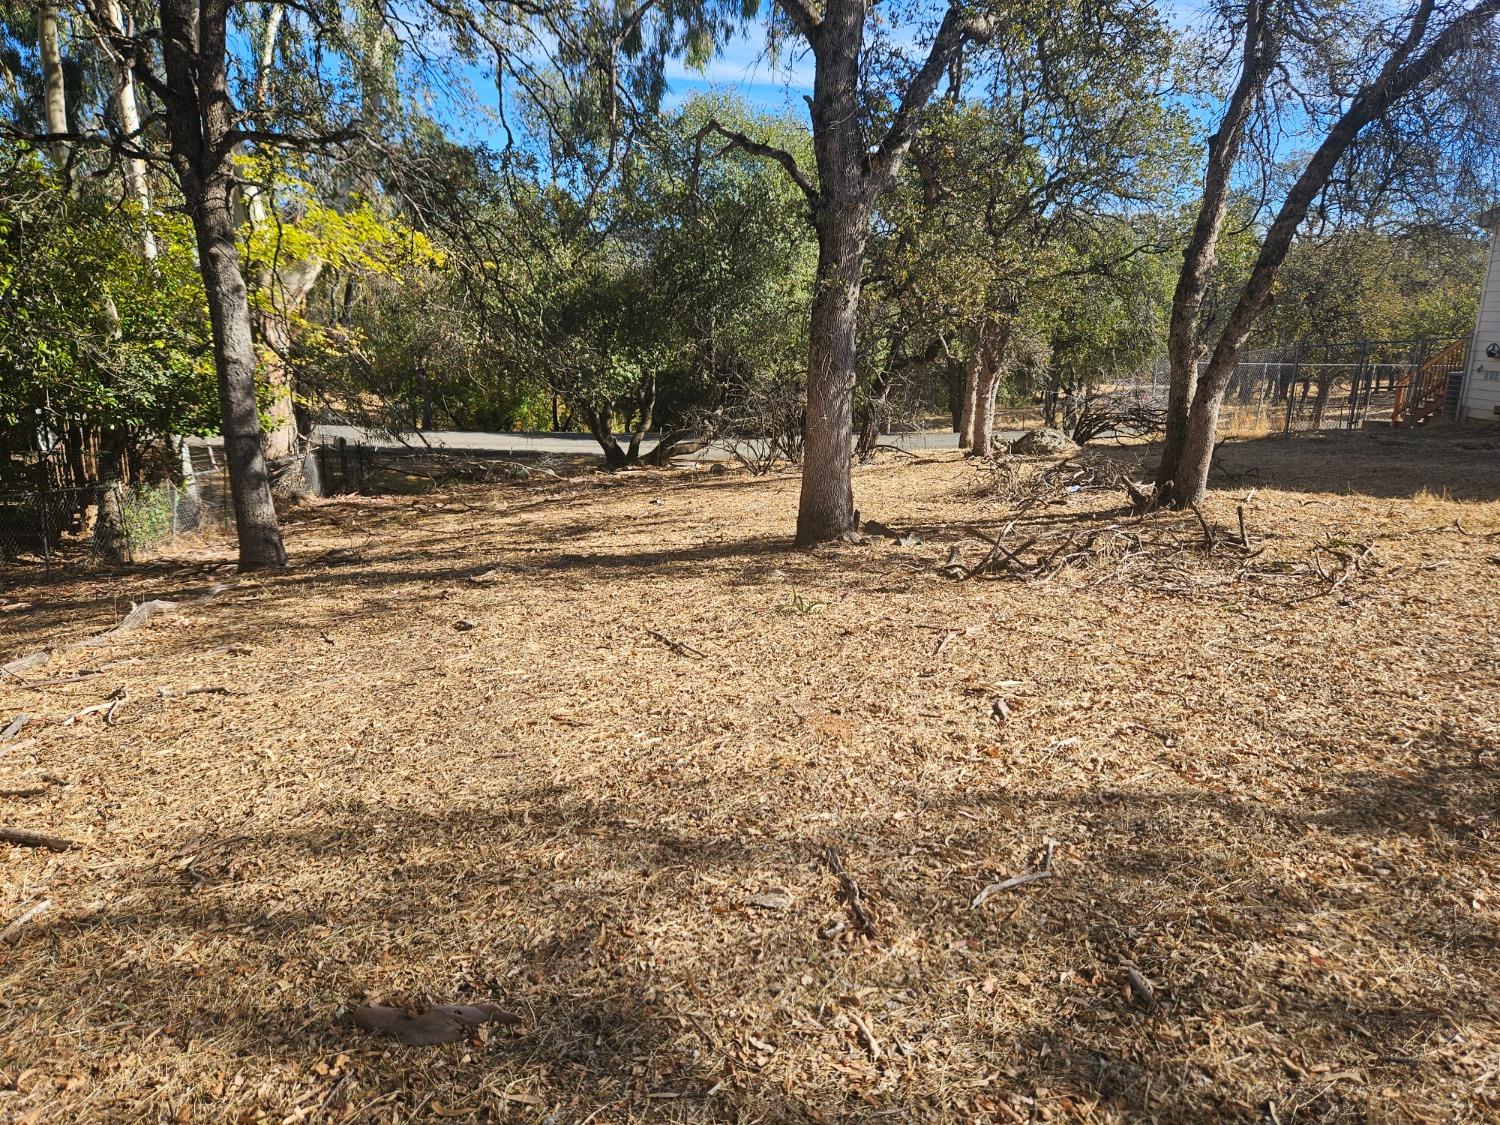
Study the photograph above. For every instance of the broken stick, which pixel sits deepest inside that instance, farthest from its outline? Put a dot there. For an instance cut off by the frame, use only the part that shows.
(676, 646)
(13, 929)
(1043, 870)
(863, 922)
(23, 839)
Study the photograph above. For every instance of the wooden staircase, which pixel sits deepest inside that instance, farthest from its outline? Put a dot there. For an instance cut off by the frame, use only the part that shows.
(1425, 392)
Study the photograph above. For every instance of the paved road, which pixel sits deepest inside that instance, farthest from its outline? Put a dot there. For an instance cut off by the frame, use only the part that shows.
(505, 444)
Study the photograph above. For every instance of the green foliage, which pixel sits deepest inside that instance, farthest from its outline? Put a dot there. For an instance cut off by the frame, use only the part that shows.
(94, 334)
(1366, 285)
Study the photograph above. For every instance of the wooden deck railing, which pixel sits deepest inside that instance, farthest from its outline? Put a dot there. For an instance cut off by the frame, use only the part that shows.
(1421, 394)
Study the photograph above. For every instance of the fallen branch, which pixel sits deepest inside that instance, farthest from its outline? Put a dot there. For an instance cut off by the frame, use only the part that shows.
(1043, 870)
(1140, 987)
(12, 929)
(22, 839)
(676, 646)
(14, 727)
(1209, 538)
(872, 1045)
(211, 689)
(863, 922)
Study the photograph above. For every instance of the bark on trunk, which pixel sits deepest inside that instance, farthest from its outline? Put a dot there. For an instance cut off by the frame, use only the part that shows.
(1257, 57)
(54, 92)
(826, 507)
(110, 539)
(136, 186)
(194, 53)
(970, 405)
(953, 375)
(983, 386)
(600, 423)
(234, 358)
(852, 174)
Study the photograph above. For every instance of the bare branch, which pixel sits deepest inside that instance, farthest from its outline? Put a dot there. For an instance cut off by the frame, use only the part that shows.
(956, 30)
(737, 139)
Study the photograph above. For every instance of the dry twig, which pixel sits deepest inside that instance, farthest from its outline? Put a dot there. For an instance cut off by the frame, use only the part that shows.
(863, 922)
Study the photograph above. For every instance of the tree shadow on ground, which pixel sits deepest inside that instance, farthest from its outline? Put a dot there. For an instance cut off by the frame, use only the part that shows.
(561, 903)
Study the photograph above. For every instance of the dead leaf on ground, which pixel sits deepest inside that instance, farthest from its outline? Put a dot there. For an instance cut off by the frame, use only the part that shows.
(445, 1023)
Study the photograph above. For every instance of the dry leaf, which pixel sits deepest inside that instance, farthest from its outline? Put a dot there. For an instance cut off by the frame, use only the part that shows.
(445, 1023)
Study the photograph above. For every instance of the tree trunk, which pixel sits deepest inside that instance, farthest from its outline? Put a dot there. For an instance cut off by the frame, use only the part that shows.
(826, 508)
(287, 290)
(953, 376)
(852, 174)
(983, 385)
(54, 92)
(842, 212)
(110, 538)
(234, 358)
(600, 425)
(194, 55)
(1258, 54)
(136, 186)
(970, 406)
(876, 412)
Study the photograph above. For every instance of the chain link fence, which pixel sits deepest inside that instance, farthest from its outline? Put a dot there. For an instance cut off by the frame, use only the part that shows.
(58, 526)
(53, 525)
(1300, 388)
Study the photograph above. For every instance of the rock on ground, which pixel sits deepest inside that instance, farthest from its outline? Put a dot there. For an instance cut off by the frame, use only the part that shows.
(1043, 440)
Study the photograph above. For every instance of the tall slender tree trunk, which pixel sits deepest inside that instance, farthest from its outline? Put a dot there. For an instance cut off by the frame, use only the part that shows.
(972, 379)
(982, 385)
(136, 186)
(234, 358)
(195, 52)
(852, 174)
(1258, 54)
(54, 91)
(953, 376)
(826, 509)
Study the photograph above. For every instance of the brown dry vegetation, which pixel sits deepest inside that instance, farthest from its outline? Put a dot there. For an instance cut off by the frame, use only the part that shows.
(1273, 796)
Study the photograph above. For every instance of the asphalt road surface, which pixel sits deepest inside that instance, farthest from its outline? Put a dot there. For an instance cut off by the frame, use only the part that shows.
(507, 444)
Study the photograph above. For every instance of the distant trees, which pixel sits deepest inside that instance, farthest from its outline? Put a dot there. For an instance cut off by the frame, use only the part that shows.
(1032, 208)
(985, 204)
(1352, 78)
(1366, 284)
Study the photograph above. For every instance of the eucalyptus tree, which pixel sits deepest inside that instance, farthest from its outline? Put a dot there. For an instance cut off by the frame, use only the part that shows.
(1378, 94)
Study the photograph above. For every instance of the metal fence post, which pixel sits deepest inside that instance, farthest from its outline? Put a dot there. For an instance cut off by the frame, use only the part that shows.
(46, 515)
(1291, 388)
(1358, 393)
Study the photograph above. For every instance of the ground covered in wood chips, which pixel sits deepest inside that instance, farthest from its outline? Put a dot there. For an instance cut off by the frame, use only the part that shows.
(580, 748)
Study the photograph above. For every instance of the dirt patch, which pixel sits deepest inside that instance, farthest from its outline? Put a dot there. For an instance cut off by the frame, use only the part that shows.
(607, 802)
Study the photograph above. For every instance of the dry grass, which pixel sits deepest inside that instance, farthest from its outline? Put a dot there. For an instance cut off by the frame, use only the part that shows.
(1278, 812)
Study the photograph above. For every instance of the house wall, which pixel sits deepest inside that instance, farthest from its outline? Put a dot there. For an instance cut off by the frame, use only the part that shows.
(1481, 398)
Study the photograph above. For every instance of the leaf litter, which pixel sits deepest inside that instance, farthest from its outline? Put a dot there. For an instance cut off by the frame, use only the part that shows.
(1271, 787)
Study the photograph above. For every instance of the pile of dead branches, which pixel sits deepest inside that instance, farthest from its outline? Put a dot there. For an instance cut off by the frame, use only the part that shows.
(1022, 490)
(1179, 552)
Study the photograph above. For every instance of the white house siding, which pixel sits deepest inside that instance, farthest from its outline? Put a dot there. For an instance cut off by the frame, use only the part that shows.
(1481, 397)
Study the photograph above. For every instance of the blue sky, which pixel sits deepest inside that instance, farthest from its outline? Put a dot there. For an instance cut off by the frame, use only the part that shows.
(745, 68)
